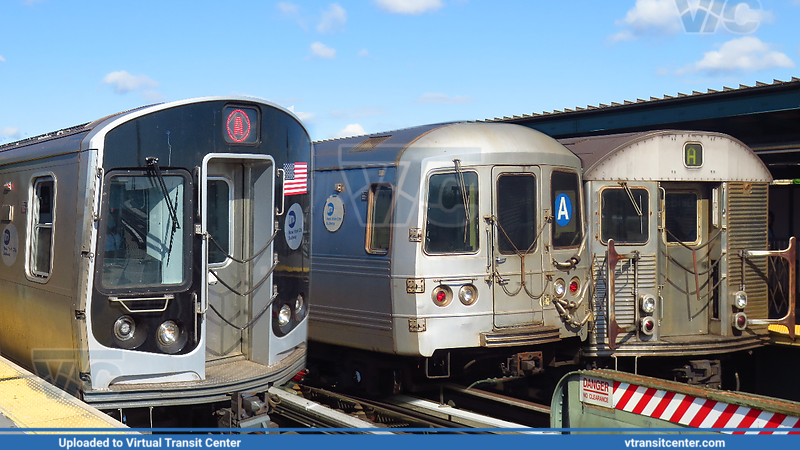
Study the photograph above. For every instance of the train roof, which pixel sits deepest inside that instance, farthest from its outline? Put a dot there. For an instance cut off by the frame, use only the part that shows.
(79, 132)
(653, 155)
(462, 138)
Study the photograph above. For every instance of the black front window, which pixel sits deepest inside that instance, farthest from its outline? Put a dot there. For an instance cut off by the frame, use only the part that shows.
(452, 214)
(144, 241)
(681, 216)
(516, 212)
(625, 215)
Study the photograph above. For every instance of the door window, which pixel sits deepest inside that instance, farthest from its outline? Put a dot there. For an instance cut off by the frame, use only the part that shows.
(680, 210)
(516, 212)
(218, 203)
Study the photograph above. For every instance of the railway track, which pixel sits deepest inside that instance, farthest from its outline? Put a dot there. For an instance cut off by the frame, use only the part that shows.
(332, 412)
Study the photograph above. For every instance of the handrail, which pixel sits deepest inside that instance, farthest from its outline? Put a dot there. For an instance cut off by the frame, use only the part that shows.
(613, 328)
(789, 255)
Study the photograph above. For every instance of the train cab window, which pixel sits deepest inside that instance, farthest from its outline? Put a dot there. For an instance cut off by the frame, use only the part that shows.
(625, 214)
(218, 205)
(680, 215)
(516, 212)
(379, 218)
(145, 233)
(451, 224)
(565, 198)
(42, 215)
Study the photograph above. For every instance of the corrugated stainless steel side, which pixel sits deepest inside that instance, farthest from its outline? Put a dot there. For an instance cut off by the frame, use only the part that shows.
(625, 299)
(747, 230)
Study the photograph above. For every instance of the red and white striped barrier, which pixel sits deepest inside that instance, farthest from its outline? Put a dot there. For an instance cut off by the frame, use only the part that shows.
(682, 409)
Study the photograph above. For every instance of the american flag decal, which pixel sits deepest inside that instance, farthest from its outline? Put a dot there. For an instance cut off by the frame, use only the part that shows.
(295, 178)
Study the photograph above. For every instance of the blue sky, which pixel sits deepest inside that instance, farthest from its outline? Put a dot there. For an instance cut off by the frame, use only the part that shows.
(354, 66)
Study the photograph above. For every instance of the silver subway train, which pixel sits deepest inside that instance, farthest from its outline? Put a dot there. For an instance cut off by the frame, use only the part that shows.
(144, 262)
(678, 224)
(443, 250)
(482, 249)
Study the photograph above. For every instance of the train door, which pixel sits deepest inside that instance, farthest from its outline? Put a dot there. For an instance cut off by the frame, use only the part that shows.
(516, 249)
(238, 217)
(688, 258)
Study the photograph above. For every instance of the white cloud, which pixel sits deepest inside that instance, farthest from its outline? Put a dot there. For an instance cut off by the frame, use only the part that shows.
(323, 51)
(414, 7)
(304, 116)
(745, 54)
(353, 129)
(362, 53)
(333, 19)
(2, 59)
(649, 17)
(9, 132)
(430, 97)
(291, 11)
(123, 82)
(288, 8)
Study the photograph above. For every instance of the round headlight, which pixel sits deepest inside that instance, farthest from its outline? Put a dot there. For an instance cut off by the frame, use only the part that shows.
(740, 321)
(560, 287)
(442, 295)
(284, 315)
(740, 299)
(648, 326)
(168, 333)
(468, 294)
(124, 328)
(299, 302)
(574, 286)
(648, 304)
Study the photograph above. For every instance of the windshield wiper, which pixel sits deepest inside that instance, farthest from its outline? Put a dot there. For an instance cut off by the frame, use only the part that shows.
(464, 195)
(152, 161)
(636, 207)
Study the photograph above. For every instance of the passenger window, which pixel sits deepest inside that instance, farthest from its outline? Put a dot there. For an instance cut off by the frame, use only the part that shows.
(218, 203)
(516, 212)
(680, 211)
(41, 241)
(625, 215)
(379, 218)
(566, 203)
(451, 224)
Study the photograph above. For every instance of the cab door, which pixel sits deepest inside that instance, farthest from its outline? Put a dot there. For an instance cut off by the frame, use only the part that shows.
(518, 279)
(688, 259)
(238, 219)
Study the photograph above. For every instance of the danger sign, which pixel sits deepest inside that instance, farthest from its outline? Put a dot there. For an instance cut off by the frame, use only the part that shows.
(597, 391)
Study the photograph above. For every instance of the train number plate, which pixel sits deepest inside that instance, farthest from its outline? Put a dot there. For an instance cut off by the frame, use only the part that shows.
(416, 325)
(415, 285)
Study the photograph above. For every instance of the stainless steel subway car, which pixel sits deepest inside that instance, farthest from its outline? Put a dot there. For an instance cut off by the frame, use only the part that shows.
(456, 246)
(143, 260)
(678, 242)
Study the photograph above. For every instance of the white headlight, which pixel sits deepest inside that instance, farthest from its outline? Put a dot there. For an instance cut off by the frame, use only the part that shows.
(740, 299)
(124, 328)
(284, 315)
(648, 304)
(560, 287)
(299, 302)
(468, 294)
(168, 333)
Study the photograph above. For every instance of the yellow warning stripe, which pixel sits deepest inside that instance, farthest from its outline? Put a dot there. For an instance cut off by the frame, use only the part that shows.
(31, 402)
